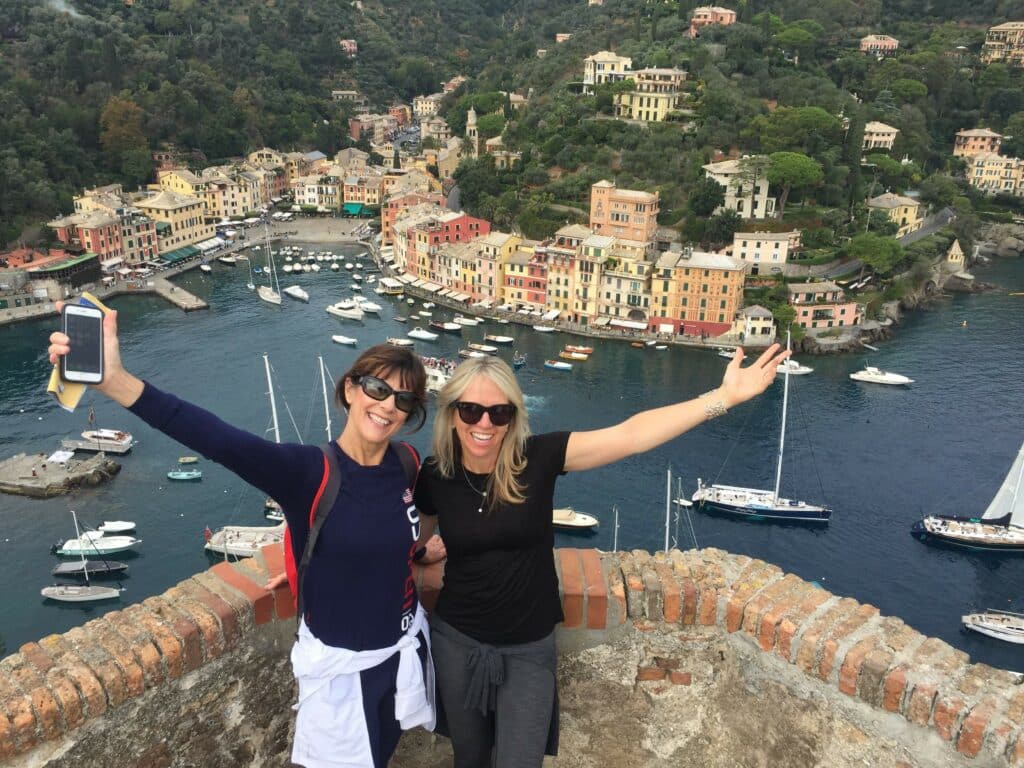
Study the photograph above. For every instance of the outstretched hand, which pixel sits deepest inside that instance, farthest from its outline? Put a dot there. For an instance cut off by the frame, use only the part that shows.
(60, 346)
(739, 384)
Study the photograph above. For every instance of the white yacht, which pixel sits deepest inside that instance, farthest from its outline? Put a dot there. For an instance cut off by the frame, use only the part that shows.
(422, 334)
(244, 540)
(296, 293)
(567, 517)
(874, 375)
(793, 368)
(346, 309)
(107, 440)
(471, 322)
(398, 341)
(347, 340)
(95, 543)
(1002, 625)
(206, 268)
(366, 305)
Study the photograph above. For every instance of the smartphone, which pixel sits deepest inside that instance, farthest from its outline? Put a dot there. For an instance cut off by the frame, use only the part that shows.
(84, 327)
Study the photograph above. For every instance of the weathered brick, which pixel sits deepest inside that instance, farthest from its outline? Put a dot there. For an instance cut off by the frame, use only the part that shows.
(171, 647)
(617, 591)
(922, 700)
(972, 733)
(653, 598)
(680, 678)
(665, 662)
(104, 632)
(894, 688)
(219, 608)
(102, 665)
(244, 608)
(262, 601)
(23, 722)
(764, 600)
(849, 670)
(790, 625)
(708, 607)
(814, 637)
(648, 674)
(948, 710)
(197, 613)
(689, 590)
(7, 746)
(37, 657)
(841, 631)
(67, 696)
(572, 587)
(756, 576)
(672, 603)
(596, 588)
(870, 686)
(47, 712)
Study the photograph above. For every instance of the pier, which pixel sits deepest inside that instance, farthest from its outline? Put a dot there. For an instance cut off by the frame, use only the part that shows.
(178, 296)
(37, 476)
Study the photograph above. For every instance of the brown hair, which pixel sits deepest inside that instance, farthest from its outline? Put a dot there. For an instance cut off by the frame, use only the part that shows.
(383, 360)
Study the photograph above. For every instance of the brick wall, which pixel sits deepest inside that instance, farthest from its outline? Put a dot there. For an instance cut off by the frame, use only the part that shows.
(199, 675)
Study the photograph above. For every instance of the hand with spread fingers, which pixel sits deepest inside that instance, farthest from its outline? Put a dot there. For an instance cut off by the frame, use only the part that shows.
(740, 384)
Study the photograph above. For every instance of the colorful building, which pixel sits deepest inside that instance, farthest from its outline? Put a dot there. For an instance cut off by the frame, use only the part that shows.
(695, 293)
(180, 221)
(764, 252)
(623, 213)
(746, 186)
(395, 204)
(975, 141)
(1004, 43)
(658, 93)
(710, 15)
(996, 174)
(904, 211)
(604, 67)
(823, 305)
(879, 136)
(879, 45)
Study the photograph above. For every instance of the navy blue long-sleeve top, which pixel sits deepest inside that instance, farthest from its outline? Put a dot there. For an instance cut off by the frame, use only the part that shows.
(359, 591)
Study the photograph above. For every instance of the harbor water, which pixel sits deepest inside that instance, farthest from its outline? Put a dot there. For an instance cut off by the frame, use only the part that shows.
(881, 457)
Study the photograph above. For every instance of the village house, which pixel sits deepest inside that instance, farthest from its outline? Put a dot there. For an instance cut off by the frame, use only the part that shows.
(746, 186)
(604, 67)
(435, 128)
(709, 15)
(754, 325)
(560, 252)
(561, 37)
(879, 45)
(397, 203)
(525, 278)
(879, 136)
(423, 232)
(492, 251)
(975, 141)
(454, 83)
(764, 252)
(1004, 43)
(995, 174)
(658, 93)
(266, 156)
(349, 47)
(695, 293)
(624, 213)
(823, 305)
(624, 290)
(180, 223)
(904, 211)
(586, 277)
(426, 106)
(402, 114)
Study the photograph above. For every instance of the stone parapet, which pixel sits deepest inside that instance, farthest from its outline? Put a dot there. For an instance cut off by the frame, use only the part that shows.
(199, 675)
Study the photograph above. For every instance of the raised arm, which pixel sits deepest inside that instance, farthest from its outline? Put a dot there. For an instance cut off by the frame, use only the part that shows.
(649, 429)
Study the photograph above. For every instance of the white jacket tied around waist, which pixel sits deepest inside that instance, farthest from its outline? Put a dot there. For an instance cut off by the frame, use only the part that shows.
(330, 730)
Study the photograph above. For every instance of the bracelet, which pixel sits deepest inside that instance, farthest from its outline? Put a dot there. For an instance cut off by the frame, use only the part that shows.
(713, 410)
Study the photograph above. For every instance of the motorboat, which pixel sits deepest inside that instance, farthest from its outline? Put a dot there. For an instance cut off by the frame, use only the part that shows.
(577, 348)
(95, 543)
(357, 277)
(348, 340)
(410, 300)
(440, 325)
(400, 319)
(334, 266)
(296, 293)
(229, 260)
(314, 267)
(544, 329)
(349, 265)
(79, 593)
(206, 268)
(243, 540)
(188, 459)
(82, 593)
(367, 306)
(567, 355)
(425, 314)
(107, 440)
(288, 268)
(397, 341)
(438, 371)
(470, 322)
(422, 334)
(487, 349)
(346, 309)
(793, 368)
(185, 475)
(874, 375)
(727, 352)
(429, 305)
(495, 338)
(1002, 625)
(115, 527)
(471, 354)
(558, 365)
(567, 517)
(661, 347)
(518, 360)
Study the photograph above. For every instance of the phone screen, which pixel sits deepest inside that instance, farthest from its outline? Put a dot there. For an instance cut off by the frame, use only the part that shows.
(85, 334)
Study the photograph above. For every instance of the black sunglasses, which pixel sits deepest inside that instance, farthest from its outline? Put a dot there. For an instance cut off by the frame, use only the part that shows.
(471, 413)
(380, 390)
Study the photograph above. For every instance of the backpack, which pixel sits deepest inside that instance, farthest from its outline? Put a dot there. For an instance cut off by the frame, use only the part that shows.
(323, 501)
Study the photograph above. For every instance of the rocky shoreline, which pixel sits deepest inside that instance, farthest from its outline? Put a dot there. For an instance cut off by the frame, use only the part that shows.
(33, 476)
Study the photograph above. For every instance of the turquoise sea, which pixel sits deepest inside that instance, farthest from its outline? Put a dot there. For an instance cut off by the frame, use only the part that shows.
(881, 457)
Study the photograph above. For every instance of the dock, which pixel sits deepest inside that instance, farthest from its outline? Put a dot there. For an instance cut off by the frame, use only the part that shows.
(178, 296)
(36, 476)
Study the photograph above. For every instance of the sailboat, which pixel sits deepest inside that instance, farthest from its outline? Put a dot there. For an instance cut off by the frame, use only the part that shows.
(758, 504)
(270, 293)
(79, 593)
(250, 285)
(1000, 527)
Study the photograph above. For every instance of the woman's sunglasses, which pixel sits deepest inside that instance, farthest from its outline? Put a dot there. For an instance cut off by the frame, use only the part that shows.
(471, 413)
(380, 390)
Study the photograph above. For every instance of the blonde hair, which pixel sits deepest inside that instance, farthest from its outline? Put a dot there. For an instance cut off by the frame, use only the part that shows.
(503, 486)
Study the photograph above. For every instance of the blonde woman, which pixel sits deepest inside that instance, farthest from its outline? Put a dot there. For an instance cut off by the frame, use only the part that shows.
(490, 485)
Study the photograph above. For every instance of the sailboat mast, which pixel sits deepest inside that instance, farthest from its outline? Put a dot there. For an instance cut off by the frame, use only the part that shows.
(81, 549)
(270, 258)
(273, 404)
(327, 403)
(782, 432)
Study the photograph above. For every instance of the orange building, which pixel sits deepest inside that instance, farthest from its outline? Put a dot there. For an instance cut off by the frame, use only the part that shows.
(623, 213)
(975, 141)
(708, 15)
(695, 293)
(398, 203)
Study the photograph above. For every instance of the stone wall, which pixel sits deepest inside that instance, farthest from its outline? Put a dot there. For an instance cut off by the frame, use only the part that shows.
(698, 658)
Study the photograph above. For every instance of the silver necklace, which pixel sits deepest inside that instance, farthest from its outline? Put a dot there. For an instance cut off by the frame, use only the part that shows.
(483, 493)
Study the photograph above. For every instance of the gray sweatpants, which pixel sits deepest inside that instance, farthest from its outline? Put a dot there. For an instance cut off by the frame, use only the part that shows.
(514, 732)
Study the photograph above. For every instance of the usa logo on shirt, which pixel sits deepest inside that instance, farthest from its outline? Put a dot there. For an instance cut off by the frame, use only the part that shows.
(407, 496)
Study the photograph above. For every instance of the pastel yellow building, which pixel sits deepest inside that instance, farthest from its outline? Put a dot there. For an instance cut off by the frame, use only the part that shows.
(879, 135)
(1004, 43)
(695, 293)
(604, 67)
(658, 93)
(904, 211)
(180, 220)
(994, 173)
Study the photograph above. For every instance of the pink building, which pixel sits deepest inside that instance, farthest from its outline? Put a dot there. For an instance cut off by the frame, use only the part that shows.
(395, 205)
(708, 15)
(623, 213)
(879, 45)
(975, 141)
(823, 305)
(349, 47)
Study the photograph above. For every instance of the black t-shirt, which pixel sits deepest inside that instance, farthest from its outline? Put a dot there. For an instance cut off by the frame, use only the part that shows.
(500, 585)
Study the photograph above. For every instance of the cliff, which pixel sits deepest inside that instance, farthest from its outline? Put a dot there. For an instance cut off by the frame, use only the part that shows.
(698, 658)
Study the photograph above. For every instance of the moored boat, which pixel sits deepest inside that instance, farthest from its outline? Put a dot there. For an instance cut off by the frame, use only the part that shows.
(95, 543)
(397, 341)
(485, 348)
(471, 322)
(296, 293)
(114, 527)
(188, 459)
(243, 540)
(206, 267)
(793, 368)
(578, 348)
(1002, 625)
(567, 355)
(229, 260)
(346, 309)
(558, 365)
(445, 327)
(347, 340)
(422, 334)
(109, 440)
(471, 354)
(495, 338)
(567, 517)
(874, 375)
(518, 360)
(544, 329)
(185, 475)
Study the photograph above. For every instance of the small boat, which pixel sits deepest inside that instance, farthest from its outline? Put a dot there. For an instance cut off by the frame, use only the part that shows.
(637, 344)
(185, 475)
(410, 300)
(339, 339)
(567, 355)
(544, 329)
(269, 295)
(288, 268)
(79, 593)
(558, 365)
(113, 527)
(470, 322)
(358, 278)
(229, 260)
(429, 305)
(347, 310)
(314, 268)
(470, 354)
(366, 305)
(206, 268)
(727, 352)
(243, 540)
(296, 293)
(661, 347)
(334, 266)
(497, 339)
(91, 567)
(440, 325)
(426, 314)
(422, 333)
(567, 517)
(349, 265)
(400, 319)
(188, 459)
(650, 343)
(109, 440)
(94, 543)
(485, 348)
(1002, 625)
(356, 287)
(518, 361)
(397, 341)
(793, 368)
(581, 350)
(874, 375)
